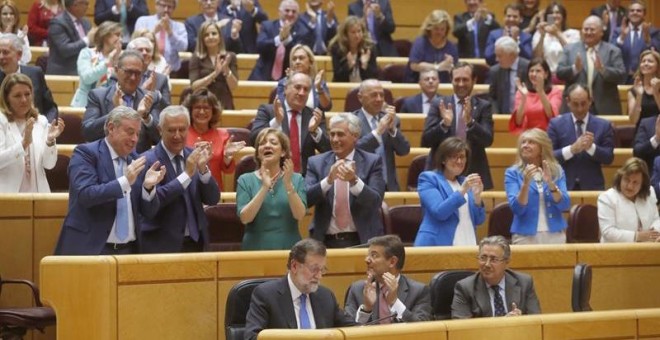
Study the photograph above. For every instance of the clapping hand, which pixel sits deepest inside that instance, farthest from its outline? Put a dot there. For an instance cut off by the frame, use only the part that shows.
(231, 148)
(364, 58)
(134, 169)
(145, 105)
(266, 180)
(279, 110)
(287, 170)
(55, 129)
(154, 175)
(514, 310)
(27, 134)
(521, 88)
(315, 121)
(579, 65)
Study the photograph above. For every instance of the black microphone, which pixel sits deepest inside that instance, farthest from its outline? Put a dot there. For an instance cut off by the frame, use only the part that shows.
(392, 316)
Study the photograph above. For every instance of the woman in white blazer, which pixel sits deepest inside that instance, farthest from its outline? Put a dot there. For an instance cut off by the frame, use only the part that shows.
(627, 212)
(27, 141)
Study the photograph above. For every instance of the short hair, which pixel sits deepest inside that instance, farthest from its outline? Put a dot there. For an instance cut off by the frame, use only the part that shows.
(310, 56)
(393, 247)
(507, 44)
(118, 114)
(352, 120)
(171, 112)
(599, 21)
(430, 70)
(289, 79)
(143, 32)
(134, 44)
(102, 31)
(129, 54)
(200, 49)
(562, 10)
(513, 6)
(203, 94)
(279, 7)
(576, 86)
(436, 17)
(633, 2)
(17, 14)
(634, 165)
(15, 42)
(6, 86)
(304, 247)
(547, 82)
(285, 143)
(497, 240)
(462, 64)
(366, 83)
(449, 147)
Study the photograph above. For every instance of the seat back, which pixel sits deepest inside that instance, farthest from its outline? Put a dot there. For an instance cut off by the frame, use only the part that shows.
(500, 221)
(395, 73)
(403, 47)
(72, 134)
(225, 227)
(624, 136)
(236, 308)
(404, 221)
(271, 96)
(245, 165)
(415, 168)
(442, 292)
(184, 95)
(581, 293)
(352, 102)
(481, 73)
(240, 135)
(583, 226)
(58, 177)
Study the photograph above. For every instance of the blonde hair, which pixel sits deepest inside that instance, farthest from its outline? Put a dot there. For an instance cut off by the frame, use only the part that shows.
(102, 31)
(541, 138)
(655, 56)
(341, 39)
(155, 56)
(310, 56)
(200, 49)
(437, 17)
(6, 86)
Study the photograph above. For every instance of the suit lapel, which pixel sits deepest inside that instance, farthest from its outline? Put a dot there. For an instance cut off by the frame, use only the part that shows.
(105, 158)
(286, 304)
(327, 164)
(402, 291)
(305, 117)
(512, 291)
(482, 297)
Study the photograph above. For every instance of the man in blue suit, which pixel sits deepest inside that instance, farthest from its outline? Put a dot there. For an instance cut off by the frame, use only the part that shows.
(211, 12)
(346, 187)
(380, 23)
(125, 12)
(174, 219)
(104, 192)
(323, 23)
(421, 103)
(582, 142)
(250, 13)
(276, 39)
(67, 36)
(512, 20)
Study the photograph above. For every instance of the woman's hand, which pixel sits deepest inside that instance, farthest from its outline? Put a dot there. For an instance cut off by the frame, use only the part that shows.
(647, 236)
(351, 59)
(319, 79)
(638, 86)
(55, 130)
(231, 147)
(266, 181)
(521, 88)
(364, 58)
(287, 168)
(529, 172)
(27, 135)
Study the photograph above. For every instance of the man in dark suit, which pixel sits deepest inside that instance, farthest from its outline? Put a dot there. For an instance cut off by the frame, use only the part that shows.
(386, 290)
(582, 142)
(512, 21)
(210, 11)
(502, 76)
(381, 130)
(153, 81)
(421, 103)
(647, 140)
(304, 127)
(612, 14)
(11, 51)
(250, 14)
(494, 290)
(596, 63)
(125, 12)
(463, 116)
(174, 219)
(276, 39)
(296, 301)
(471, 29)
(346, 187)
(67, 36)
(380, 23)
(104, 191)
(130, 66)
(322, 22)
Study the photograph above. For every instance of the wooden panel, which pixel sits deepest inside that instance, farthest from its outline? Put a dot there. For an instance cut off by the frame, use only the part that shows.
(648, 323)
(307, 334)
(406, 331)
(16, 260)
(596, 325)
(526, 327)
(166, 267)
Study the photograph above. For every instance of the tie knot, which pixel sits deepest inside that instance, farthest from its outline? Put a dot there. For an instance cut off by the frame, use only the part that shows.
(293, 113)
(303, 300)
(579, 122)
(495, 288)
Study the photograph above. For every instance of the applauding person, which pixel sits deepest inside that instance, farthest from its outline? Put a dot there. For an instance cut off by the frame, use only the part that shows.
(353, 52)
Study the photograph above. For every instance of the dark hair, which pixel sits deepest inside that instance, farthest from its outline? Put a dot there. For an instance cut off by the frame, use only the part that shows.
(497, 240)
(204, 95)
(448, 148)
(576, 86)
(393, 247)
(462, 64)
(547, 82)
(302, 248)
(632, 166)
(515, 7)
(562, 10)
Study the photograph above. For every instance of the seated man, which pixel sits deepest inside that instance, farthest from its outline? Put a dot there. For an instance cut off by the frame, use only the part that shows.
(386, 293)
(296, 301)
(494, 290)
(421, 103)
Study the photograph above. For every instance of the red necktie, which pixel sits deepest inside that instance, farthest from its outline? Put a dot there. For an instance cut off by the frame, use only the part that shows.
(383, 307)
(278, 66)
(294, 136)
(342, 210)
(162, 40)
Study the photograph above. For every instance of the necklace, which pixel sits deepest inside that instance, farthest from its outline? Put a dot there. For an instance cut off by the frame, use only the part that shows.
(273, 181)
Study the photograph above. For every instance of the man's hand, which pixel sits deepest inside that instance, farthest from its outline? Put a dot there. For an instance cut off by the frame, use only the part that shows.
(279, 110)
(598, 63)
(145, 106)
(154, 175)
(446, 113)
(117, 97)
(383, 124)
(369, 293)
(330, 11)
(191, 162)
(150, 84)
(285, 31)
(578, 63)
(347, 172)
(315, 121)
(134, 169)
(248, 5)
(204, 157)
(390, 281)
(514, 310)
(467, 110)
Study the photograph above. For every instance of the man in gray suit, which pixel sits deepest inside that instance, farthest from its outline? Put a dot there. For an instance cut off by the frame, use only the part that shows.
(407, 300)
(381, 131)
(67, 36)
(510, 65)
(494, 290)
(596, 63)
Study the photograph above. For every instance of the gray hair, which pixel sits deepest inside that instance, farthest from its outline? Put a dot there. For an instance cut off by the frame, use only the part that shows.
(497, 240)
(134, 44)
(15, 42)
(367, 82)
(507, 44)
(599, 21)
(302, 248)
(173, 111)
(352, 120)
(129, 54)
(118, 114)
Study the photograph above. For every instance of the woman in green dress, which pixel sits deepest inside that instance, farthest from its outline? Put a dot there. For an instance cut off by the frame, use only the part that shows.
(271, 200)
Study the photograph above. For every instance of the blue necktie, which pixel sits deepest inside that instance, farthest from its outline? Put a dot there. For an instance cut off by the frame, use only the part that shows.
(121, 227)
(319, 45)
(304, 317)
(380, 150)
(128, 99)
(475, 32)
(371, 26)
(191, 222)
(497, 301)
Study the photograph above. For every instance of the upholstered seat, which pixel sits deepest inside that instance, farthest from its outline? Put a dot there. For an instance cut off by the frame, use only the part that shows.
(442, 292)
(15, 321)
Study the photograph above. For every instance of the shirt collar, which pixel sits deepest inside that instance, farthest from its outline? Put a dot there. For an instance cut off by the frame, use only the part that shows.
(514, 66)
(113, 153)
(349, 157)
(585, 120)
(169, 154)
(295, 292)
(368, 115)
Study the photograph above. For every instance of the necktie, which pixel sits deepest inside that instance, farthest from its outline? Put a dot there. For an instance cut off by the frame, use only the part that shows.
(460, 122)
(506, 90)
(371, 26)
(613, 22)
(591, 54)
(380, 150)
(80, 29)
(278, 66)
(191, 222)
(636, 50)
(162, 40)
(121, 227)
(304, 317)
(319, 45)
(123, 15)
(497, 301)
(342, 209)
(294, 136)
(578, 128)
(128, 100)
(475, 32)
(383, 307)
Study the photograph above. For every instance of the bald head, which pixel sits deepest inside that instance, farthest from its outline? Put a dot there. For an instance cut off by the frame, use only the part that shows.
(592, 30)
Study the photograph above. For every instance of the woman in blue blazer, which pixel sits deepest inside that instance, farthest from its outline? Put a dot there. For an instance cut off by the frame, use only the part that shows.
(451, 202)
(536, 191)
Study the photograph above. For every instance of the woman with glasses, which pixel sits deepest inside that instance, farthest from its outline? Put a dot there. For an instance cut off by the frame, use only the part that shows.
(536, 191)
(271, 200)
(451, 202)
(205, 113)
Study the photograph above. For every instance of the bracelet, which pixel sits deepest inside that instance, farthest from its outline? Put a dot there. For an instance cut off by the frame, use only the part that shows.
(50, 142)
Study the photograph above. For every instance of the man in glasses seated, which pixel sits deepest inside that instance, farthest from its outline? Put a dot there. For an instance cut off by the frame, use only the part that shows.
(494, 290)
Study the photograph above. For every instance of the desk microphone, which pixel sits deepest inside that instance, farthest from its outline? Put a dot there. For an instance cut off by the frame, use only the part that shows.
(392, 316)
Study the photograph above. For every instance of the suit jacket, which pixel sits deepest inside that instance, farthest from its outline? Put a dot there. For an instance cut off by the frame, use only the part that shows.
(165, 215)
(643, 147)
(300, 34)
(397, 145)
(604, 84)
(598, 11)
(498, 78)
(414, 104)
(630, 53)
(64, 44)
(479, 136)
(524, 41)
(472, 300)
(93, 194)
(655, 176)
(308, 146)
(249, 29)
(99, 105)
(341, 72)
(465, 35)
(193, 24)
(414, 295)
(583, 168)
(103, 12)
(271, 306)
(326, 32)
(162, 90)
(619, 218)
(43, 98)
(363, 207)
(385, 46)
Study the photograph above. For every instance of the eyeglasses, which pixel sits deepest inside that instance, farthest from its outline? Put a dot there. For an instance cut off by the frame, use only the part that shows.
(457, 158)
(132, 73)
(201, 107)
(315, 270)
(483, 259)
